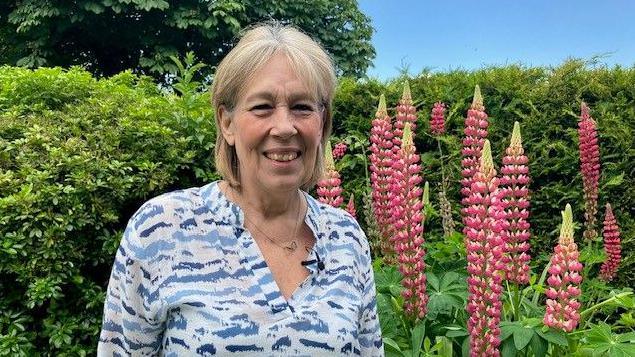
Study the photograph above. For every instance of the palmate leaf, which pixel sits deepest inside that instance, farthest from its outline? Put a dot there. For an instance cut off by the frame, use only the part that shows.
(602, 341)
(446, 293)
(388, 280)
(389, 320)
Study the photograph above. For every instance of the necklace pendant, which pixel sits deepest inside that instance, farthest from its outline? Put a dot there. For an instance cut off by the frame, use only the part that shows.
(292, 247)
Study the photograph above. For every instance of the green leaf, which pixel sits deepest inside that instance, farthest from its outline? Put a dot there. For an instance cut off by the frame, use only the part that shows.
(507, 329)
(539, 346)
(418, 334)
(522, 336)
(444, 346)
(554, 336)
(508, 349)
(627, 337)
(615, 180)
(389, 342)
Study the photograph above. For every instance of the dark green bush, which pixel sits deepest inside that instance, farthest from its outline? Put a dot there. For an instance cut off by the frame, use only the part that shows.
(77, 157)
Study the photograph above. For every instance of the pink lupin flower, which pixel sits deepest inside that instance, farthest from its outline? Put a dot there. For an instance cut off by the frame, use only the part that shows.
(590, 168)
(381, 158)
(475, 133)
(339, 150)
(406, 113)
(408, 226)
(564, 280)
(514, 184)
(485, 235)
(612, 246)
(350, 207)
(329, 188)
(437, 120)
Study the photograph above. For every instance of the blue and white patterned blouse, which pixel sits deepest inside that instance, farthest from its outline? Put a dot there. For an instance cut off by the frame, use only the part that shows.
(189, 279)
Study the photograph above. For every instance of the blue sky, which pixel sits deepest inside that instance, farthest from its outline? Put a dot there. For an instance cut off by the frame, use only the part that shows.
(451, 34)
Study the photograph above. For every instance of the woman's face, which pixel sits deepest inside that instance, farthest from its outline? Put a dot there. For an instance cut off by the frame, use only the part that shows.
(276, 128)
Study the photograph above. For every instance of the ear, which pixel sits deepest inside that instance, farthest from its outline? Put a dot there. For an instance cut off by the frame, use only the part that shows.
(226, 124)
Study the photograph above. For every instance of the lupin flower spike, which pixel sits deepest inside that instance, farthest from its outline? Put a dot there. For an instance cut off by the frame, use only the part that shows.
(408, 226)
(329, 188)
(475, 132)
(437, 119)
(485, 230)
(612, 245)
(381, 158)
(350, 207)
(590, 169)
(406, 113)
(339, 150)
(514, 182)
(562, 311)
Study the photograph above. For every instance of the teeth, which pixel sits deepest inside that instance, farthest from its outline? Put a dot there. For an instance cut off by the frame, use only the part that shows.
(282, 157)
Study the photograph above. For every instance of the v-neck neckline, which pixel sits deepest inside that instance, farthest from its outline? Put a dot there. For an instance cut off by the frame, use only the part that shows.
(253, 258)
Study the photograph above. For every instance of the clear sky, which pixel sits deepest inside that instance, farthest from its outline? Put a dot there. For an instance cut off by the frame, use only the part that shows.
(451, 34)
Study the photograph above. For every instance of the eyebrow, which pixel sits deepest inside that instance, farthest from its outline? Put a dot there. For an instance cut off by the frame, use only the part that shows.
(294, 97)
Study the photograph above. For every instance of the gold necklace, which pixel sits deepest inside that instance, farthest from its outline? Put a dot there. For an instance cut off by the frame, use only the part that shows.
(293, 245)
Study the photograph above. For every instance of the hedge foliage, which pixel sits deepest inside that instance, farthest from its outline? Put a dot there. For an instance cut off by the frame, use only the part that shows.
(78, 155)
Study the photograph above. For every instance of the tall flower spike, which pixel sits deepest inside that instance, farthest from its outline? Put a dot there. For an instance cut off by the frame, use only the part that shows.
(590, 168)
(562, 311)
(381, 158)
(350, 207)
(475, 134)
(612, 245)
(406, 113)
(446, 212)
(329, 188)
(408, 226)
(485, 235)
(372, 230)
(514, 182)
(437, 119)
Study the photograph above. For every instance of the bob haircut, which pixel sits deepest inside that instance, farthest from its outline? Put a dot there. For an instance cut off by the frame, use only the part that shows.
(255, 48)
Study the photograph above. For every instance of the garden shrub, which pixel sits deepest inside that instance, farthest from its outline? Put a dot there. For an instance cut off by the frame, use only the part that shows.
(78, 156)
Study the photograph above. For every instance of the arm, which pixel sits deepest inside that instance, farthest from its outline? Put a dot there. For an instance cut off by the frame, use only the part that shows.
(369, 329)
(133, 319)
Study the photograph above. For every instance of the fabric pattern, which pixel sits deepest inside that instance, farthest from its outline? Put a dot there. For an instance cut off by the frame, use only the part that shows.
(188, 279)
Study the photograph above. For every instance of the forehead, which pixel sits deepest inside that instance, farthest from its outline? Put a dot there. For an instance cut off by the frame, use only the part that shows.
(279, 78)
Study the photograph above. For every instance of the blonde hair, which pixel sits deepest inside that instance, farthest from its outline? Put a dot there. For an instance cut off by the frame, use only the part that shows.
(255, 48)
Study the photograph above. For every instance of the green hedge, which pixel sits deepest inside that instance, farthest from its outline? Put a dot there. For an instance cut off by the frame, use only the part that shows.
(78, 155)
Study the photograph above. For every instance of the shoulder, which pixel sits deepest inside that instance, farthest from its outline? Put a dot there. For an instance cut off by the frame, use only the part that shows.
(158, 219)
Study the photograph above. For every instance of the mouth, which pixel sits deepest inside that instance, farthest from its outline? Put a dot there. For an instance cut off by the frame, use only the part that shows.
(282, 156)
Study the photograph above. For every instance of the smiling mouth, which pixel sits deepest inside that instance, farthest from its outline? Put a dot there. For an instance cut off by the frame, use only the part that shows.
(282, 157)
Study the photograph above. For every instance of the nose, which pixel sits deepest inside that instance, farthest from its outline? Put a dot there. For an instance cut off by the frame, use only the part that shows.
(283, 125)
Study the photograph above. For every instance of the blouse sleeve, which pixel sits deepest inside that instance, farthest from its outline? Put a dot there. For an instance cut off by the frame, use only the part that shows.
(370, 331)
(133, 320)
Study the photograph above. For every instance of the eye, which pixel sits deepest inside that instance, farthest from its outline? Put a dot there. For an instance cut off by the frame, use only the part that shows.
(304, 109)
(261, 109)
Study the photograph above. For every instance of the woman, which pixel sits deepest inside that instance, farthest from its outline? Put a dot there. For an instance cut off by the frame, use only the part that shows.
(251, 264)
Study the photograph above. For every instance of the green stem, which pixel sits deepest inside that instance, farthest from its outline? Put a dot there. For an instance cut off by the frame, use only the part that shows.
(442, 165)
(511, 300)
(589, 312)
(541, 282)
(516, 301)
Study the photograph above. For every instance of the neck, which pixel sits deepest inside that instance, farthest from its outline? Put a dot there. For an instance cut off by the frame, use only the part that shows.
(267, 205)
